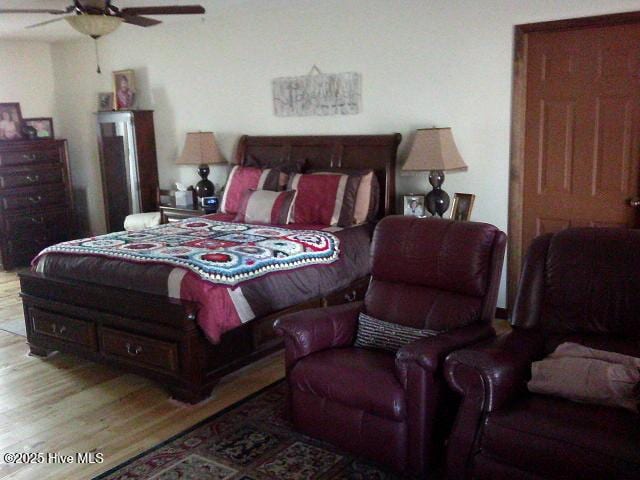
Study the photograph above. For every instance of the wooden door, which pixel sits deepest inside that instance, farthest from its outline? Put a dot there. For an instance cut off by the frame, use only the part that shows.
(582, 124)
(576, 129)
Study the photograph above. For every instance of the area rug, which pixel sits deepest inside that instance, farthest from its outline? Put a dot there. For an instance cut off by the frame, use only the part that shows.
(250, 440)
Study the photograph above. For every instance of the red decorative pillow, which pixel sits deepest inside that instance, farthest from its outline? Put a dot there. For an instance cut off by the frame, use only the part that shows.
(242, 179)
(367, 196)
(324, 199)
(264, 206)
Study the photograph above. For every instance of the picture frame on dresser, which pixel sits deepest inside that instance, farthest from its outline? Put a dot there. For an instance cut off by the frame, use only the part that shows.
(10, 122)
(42, 125)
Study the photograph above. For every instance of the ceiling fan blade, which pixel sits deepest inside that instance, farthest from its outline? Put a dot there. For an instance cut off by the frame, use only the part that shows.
(46, 23)
(140, 21)
(32, 10)
(168, 10)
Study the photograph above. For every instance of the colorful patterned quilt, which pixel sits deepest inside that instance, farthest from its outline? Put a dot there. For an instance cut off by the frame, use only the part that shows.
(220, 252)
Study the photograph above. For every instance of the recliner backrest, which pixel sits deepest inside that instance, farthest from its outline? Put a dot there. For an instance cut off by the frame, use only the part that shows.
(434, 273)
(582, 280)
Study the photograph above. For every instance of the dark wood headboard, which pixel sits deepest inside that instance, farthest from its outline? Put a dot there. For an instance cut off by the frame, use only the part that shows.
(377, 152)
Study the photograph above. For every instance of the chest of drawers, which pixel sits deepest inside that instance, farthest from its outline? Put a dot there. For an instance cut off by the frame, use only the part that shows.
(36, 207)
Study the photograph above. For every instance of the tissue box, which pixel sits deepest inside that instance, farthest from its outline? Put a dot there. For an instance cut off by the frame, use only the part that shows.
(184, 199)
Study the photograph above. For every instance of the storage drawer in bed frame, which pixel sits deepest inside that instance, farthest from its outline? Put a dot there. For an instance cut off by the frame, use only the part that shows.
(147, 334)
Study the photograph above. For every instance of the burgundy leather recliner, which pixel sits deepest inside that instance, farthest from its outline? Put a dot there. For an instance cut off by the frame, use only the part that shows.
(578, 285)
(426, 273)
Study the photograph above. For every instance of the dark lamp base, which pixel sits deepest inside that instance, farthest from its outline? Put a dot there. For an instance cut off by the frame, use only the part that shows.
(437, 201)
(204, 188)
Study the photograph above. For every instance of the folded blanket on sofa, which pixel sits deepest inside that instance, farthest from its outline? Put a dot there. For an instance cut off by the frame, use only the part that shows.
(587, 375)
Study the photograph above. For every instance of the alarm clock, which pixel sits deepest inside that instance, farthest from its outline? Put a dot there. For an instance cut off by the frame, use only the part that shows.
(209, 204)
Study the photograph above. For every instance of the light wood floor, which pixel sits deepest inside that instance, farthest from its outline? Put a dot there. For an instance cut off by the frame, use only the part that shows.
(67, 405)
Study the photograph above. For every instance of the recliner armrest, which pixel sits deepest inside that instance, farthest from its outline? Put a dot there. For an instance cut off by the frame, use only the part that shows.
(429, 353)
(309, 331)
(500, 367)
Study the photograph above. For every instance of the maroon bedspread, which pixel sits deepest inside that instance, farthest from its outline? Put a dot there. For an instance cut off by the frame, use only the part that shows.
(222, 307)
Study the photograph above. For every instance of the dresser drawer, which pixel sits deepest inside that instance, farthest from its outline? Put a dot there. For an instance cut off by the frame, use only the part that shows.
(33, 199)
(64, 328)
(144, 351)
(53, 224)
(25, 177)
(29, 157)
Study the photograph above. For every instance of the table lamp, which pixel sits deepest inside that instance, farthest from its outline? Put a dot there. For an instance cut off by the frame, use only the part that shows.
(200, 148)
(435, 151)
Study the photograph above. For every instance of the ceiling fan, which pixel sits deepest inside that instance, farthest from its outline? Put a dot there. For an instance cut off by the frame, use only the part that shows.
(99, 17)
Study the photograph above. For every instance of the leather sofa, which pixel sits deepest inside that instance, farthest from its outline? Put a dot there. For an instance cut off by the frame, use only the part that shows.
(392, 407)
(578, 285)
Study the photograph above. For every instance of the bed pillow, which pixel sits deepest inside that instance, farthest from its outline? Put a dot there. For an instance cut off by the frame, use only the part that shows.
(324, 199)
(368, 195)
(242, 179)
(378, 334)
(367, 199)
(264, 206)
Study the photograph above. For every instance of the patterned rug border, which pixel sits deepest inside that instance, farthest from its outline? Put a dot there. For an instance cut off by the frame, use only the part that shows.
(201, 423)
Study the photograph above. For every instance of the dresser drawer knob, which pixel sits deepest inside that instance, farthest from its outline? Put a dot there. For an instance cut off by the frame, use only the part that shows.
(58, 331)
(37, 199)
(37, 220)
(33, 178)
(30, 157)
(133, 351)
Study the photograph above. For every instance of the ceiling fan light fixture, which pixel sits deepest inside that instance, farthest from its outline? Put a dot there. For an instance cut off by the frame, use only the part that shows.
(94, 25)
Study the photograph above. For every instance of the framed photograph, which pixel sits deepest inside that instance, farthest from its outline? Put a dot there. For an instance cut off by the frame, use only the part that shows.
(414, 205)
(462, 206)
(124, 89)
(105, 102)
(10, 122)
(43, 126)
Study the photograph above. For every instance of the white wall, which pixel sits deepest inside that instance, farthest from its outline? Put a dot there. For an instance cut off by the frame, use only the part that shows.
(26, 76)
(424, 63)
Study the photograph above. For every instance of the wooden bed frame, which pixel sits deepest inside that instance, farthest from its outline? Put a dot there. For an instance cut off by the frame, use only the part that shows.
(158, 337)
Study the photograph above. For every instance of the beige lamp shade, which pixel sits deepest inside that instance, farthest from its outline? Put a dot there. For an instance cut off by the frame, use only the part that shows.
(200, 148)
(434, 149)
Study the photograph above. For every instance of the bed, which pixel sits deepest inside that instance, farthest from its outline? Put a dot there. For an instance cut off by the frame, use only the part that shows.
(129, 321)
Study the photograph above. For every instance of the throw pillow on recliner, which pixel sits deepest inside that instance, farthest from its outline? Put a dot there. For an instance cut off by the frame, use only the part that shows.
(378, 334)
(587, 375)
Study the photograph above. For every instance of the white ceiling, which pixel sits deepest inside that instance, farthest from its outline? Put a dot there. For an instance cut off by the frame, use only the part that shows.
(12, 26)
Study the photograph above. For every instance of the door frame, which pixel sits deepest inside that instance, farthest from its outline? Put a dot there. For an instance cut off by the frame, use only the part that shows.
(518, 111)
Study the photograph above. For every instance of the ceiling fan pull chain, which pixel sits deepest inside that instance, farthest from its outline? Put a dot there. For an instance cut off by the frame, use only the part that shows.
(95, 41)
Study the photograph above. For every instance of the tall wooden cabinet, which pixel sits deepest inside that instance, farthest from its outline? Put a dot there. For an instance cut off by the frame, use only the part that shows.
(128, 164)
(36, 208)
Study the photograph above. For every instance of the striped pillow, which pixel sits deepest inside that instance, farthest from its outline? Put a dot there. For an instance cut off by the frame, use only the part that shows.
(368, 194)
(324, 199)
(242, 179)
(374, 333)
(367, 199)
(264, 206)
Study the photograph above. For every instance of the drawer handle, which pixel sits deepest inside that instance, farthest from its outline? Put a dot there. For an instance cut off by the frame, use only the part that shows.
(37, 199)
(58, 331)
(37, 220)
(29, 156)
(350, 297)
(136, 351)
(33, 178)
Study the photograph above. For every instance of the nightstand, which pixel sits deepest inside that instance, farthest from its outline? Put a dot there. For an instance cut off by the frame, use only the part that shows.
(170, 213)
